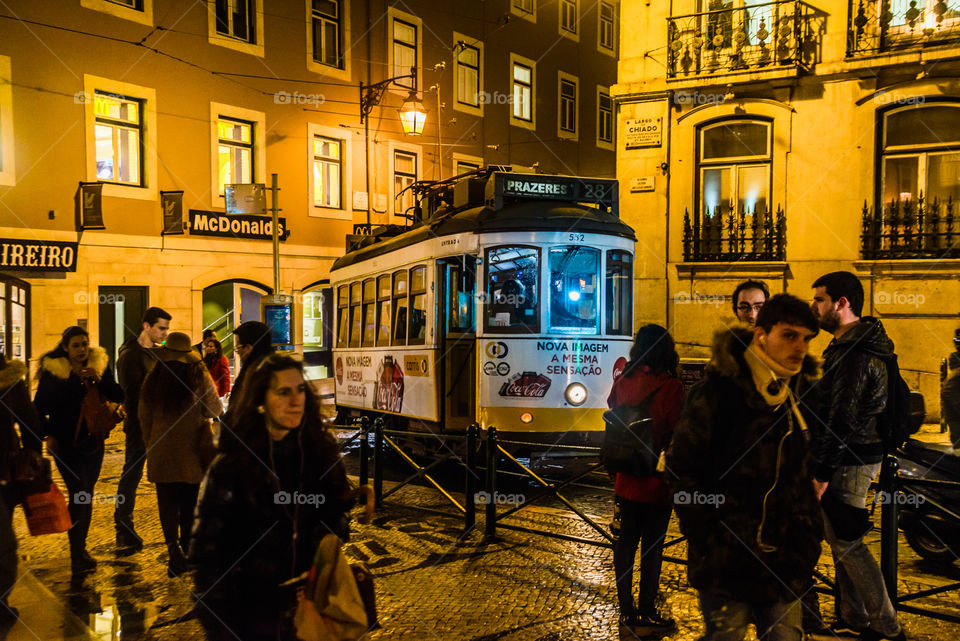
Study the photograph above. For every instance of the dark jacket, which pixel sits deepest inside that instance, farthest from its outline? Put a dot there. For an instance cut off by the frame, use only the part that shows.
(15, 409)
(60, 393)
(726, 445)
(133, 364)
(242, 535)
(852, 392)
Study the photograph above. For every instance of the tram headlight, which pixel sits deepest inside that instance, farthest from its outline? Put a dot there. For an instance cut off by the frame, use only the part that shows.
(576, 394)
(526, 417)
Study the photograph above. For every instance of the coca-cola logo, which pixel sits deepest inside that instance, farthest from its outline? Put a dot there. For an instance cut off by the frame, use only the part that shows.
(339, 371)
(526, 385)
(618, 367)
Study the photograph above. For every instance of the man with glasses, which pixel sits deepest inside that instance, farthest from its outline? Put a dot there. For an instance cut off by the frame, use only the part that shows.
(748, 298)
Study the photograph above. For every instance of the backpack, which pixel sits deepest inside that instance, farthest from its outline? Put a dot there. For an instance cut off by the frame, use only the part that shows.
(629, 445)
(895, 423)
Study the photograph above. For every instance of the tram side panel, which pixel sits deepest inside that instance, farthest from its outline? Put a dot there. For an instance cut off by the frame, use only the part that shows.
(398, 381)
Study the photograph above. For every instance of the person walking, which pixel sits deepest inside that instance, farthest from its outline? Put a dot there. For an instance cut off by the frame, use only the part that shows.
(15, 410)
(67, 374)
(177, 404)
(253, 343)
(136, 359)
(217, 364)
(739, 471)
(849, 450)
(263, 508)
(650, 379)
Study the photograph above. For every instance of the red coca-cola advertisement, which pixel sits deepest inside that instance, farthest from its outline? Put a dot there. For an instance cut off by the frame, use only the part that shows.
(526, 385)
(338, 372)
(388, 388)
(618, 367)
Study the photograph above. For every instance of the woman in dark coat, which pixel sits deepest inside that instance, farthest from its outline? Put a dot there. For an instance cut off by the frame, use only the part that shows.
(650, 379)
(65, 374)
(217, 364)
(288, 480)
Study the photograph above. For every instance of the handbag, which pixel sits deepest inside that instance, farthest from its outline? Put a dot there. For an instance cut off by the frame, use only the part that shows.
(330, 607)
(629, 444)
(99, 414)
(47, 512)
(30, 472)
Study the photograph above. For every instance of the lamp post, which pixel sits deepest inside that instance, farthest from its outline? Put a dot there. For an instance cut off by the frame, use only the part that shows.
(412, 118)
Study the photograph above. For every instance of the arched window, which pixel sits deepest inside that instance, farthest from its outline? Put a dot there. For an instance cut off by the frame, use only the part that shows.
(921, 153)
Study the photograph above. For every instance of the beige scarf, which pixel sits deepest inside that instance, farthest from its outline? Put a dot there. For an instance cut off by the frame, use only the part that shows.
(766, 371)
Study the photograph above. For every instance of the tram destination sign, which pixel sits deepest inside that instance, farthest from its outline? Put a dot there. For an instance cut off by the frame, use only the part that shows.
(38, 255)
(567, 188)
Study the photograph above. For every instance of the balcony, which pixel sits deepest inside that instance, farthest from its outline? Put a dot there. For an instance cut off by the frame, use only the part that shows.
(781, 36)
(911, 229)
(880, 26)
(734, 236)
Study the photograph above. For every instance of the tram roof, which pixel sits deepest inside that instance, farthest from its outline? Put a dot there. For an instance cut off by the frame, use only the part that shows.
(542, 215)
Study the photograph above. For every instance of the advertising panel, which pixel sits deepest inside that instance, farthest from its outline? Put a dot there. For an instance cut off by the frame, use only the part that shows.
(397, 381)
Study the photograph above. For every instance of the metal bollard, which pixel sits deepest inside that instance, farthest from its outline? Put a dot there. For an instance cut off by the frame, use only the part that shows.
(889, 523)
(364, 450)
(378, 460)
(491, 514)
(470, 514)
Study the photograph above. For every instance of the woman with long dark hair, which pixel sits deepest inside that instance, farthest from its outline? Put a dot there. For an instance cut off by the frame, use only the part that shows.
(67, 373)
(264, 506)
(650, 379)
(217, 364)
(177, 403)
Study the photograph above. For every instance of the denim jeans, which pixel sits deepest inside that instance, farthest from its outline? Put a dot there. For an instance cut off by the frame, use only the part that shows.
(79, 465)
(648, 523)
(863, 595)
(727, 620)
(134, 457)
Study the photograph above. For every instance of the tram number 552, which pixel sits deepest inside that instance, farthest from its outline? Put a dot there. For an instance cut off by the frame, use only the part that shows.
(575, 238)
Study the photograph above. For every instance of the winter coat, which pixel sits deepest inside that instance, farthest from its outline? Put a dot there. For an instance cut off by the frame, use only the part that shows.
(242, 532)
(15, 409)
(133, 364)
(220, 373)
(852, 392)
(723, 461)
(950, 393)
(60, 394)
(631, 390)
(179, 440)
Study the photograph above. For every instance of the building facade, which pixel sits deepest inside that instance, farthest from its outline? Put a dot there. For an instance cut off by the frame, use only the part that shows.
(121, 122)
(783, 140)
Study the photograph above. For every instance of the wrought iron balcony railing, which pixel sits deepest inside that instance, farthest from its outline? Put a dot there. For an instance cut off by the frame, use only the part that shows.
(877, 26)
(751, 37)
(911, 229)
(734, 236)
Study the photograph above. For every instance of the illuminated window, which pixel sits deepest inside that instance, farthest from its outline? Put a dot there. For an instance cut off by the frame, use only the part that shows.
(235, 152)
(522, 91)
(404, 51)
(734, 168)
(383, 310)
(400, 308)
(574, 290)
(118, 134)
(512, 290)
(327, 29)
(327, 172)
(468, 75)
(418, 306)
(343, 309)
(921, 153)
(369, 312)
(356, 319)
(404, 175)
(619, 293)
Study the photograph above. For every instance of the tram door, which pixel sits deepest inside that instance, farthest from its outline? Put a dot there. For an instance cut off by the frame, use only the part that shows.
(458, 339)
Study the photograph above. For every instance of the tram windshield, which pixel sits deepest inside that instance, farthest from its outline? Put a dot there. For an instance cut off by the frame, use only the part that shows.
(574, 275)
(512, 285)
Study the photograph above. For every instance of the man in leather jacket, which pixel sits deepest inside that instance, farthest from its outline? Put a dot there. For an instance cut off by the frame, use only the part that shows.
(848, 450)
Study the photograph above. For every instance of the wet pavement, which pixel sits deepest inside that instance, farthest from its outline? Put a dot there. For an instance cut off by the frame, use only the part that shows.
(433, 582)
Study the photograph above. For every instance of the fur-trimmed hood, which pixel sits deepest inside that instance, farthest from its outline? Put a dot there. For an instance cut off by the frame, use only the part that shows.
(60, 366)
(11, 373)
(727, 357)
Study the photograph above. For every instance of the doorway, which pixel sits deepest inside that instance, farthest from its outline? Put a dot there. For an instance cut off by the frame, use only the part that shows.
(120, 310)
(458, 340)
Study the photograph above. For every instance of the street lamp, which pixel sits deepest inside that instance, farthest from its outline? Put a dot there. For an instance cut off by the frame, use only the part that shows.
(412, 115)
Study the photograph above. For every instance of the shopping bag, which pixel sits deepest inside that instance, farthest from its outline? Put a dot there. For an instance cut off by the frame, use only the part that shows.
(330, 609)
(47, 512)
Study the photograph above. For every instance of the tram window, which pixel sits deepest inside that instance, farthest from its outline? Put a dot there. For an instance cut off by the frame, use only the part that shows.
(418, 306)
(343, 308)
(369, 312)
(383, 310)
(574, 296)
(460, 297)
(400, 308)
(512, 286)
(619, 293)
(356, 321)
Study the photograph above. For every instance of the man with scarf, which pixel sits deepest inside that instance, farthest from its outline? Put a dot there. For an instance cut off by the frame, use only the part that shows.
(740, 478)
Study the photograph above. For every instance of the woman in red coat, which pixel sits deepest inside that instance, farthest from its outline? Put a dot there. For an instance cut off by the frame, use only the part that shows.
(218, 365)
(650, 377)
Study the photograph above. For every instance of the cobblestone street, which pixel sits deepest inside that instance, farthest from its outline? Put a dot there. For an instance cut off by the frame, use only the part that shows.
(430, 583)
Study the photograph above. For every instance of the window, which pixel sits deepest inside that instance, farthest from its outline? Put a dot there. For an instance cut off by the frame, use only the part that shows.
(236, 24)
(418, 306)
(606, 28)
(569, 17)
(734, 168)
(234, 152)
(404, 47)
(316, 332)
(926, 17)
(604, 119)
(118, 137)
(526, 9)
(619, 293)
(567, 106)
(8, 174)
(369, 312)
(523, 79)
(574, 297)
(327, 174)
(462, 163)
(736, 20)
(343, 309)
(383, 310)
(400, 308)
(356, 320)
(512, 290)
(14, 317)
(140, 11)
(327, 43)
(468, 76)
(404, 175)
(133, 4)
(921, 153)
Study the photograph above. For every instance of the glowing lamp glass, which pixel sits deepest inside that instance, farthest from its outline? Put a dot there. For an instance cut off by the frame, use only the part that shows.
(526, 417)
(412, 115)
(576, 394)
